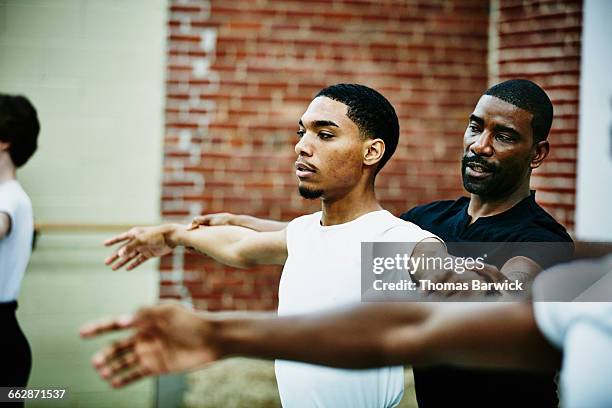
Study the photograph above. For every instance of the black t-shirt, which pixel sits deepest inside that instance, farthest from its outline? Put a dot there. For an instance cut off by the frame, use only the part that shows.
(446, 386)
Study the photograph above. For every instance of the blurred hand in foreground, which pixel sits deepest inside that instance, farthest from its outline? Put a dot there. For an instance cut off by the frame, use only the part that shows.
(167, 338)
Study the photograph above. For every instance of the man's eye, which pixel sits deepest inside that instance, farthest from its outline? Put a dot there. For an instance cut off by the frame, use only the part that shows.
(505, 138)
(324, 135)
(300, 133)
(473, 127)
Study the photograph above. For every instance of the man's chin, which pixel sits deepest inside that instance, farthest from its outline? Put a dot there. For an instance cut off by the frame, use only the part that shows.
(490, 189)
(481, 188)
(310, 194)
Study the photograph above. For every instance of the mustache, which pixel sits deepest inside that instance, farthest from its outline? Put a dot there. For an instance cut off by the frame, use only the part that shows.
(477, 160)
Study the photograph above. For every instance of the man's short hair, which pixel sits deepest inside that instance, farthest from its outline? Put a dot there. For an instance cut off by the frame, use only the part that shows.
(527, 95)
(372, 113)
(18, 126)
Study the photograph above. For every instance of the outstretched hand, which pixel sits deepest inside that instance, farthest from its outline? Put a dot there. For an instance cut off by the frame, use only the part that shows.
(167, 338)
(139, 245)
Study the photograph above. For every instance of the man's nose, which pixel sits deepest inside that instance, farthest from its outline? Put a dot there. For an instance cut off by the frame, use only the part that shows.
(304, 146)
(483, 145)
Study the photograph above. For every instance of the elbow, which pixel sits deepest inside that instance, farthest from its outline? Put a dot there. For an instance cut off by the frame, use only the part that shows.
(241, 256)
(245, 265)
(243, 262)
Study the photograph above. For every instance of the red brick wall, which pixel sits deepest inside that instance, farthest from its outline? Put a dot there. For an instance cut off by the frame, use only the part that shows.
(540, 40)
(240, 74)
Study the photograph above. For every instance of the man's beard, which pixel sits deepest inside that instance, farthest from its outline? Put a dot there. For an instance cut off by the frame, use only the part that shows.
(484, 188)
(310, 194)
(502, 181)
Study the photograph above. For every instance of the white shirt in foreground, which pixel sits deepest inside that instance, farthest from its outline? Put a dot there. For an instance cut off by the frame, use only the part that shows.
(322, 271)
(16, 247)
(582, 329)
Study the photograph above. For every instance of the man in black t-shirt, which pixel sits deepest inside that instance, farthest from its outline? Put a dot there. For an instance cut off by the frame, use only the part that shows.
(504, 141)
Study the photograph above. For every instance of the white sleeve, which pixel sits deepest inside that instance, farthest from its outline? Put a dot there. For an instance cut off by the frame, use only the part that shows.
(8, 204)
(411, 234)
(547, 316)
(556, 319)
(575, 285)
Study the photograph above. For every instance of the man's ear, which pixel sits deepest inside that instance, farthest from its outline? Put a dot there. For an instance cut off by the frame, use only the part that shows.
(374, 151)
(540, 151)
(4, 145)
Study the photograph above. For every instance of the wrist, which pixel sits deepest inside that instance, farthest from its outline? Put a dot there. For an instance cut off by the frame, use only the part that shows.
(173, 234)
(234, 336)
(221, 334)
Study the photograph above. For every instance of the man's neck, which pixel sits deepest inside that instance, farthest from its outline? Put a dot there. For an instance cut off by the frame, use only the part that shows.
(7, 168)
(485, 207)
(351, 206)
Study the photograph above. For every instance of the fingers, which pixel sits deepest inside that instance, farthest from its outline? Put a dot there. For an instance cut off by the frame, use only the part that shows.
(127, 253)
(119, 363)
(139, 261)
(129, 249)
(119, 238)
(123, 261)
(199, 220)
(114, 352)
(126, 378)
(112, 258)
(123, 362)
(210, 220)
(129, 235)
(106, 326)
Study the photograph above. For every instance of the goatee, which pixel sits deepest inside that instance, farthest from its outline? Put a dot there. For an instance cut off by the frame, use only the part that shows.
(310, 194)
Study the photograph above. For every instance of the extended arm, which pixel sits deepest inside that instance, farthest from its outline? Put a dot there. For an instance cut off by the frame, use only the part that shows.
(234, 246)
(584, 249)
(171, 338)
(484, 335)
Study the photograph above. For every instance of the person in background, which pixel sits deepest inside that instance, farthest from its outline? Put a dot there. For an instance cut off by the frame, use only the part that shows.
(19, 128)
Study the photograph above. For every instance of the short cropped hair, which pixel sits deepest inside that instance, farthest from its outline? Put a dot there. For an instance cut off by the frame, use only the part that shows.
(372, 113)
(19, 126)
(527, 95)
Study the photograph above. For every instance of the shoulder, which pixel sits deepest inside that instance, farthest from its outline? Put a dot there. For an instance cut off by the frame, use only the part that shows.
(434, 208)
(405, 231)
(542, 227)
(13, 198)
(306, 219)
(303, 222)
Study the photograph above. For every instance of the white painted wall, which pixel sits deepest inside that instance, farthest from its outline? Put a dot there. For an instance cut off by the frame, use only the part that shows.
(67, 285)
(594, 183)
(94, 69)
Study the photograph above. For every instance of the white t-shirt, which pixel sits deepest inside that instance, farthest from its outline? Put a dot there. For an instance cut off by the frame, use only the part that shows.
(322, 271)
(16, 247)
(581, 329)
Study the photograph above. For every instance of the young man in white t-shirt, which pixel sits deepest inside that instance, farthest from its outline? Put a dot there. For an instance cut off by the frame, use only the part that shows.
(19, 129)
(346, 136)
